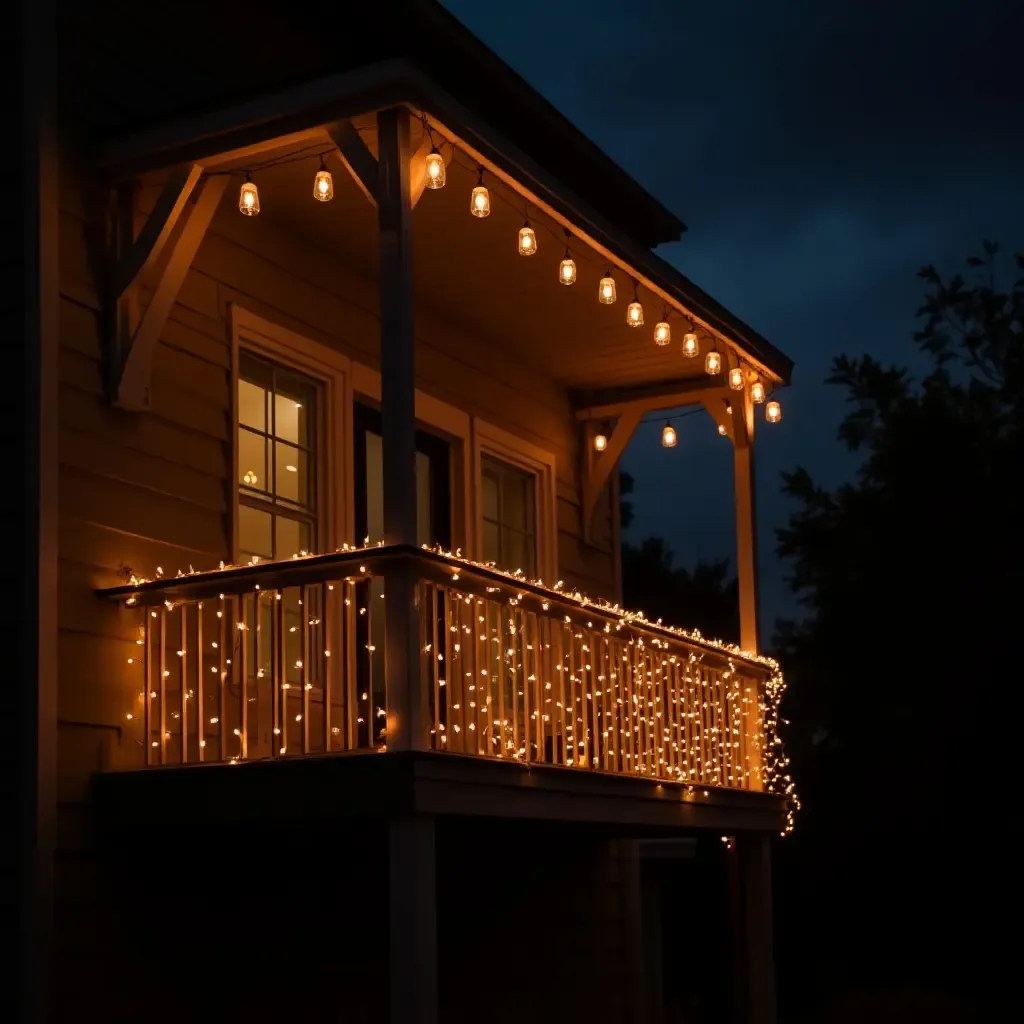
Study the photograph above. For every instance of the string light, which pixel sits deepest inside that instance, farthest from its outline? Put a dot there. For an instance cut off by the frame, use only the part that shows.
(691, 347)
(757, 392)
(635, 310)
(606, 289)
(527, 240)
(713, 363)
(662, 330)
(480, 199)
(435, 169)
(323, 184)
(248, 198)
(668, 435)
(567, 268)
(721, 429)
(600, 442)
(773, 412)
(736, 379)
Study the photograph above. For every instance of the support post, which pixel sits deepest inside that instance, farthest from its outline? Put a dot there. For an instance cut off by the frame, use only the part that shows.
(413, 921)
(33, 694)
(406, 729)
(746, 525)
(758, 961)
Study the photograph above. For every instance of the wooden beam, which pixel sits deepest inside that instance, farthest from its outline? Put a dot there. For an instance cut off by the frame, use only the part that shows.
(746, 520)
(133, 390)
(356, 156)
(719, 407)
(597, 470)
(147, 248)
(607, 403)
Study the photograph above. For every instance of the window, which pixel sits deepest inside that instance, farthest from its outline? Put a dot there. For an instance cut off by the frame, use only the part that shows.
(509, 515)
(277, 459)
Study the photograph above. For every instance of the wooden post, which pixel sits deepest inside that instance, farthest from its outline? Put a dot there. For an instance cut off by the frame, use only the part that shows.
(34, 742)
(406, 728)
(413, 921)
(758, 961)
(746, 525)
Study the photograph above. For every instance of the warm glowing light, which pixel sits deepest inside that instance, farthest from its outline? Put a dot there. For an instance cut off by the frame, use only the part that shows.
(606, 290)
(773, 412)
(323, 185)
(668, 436)
(757, 394)
(527, 240)
(721, 429)
(635, 314)
(736, 379)
(248, 199)
(691, 347)
(713, 362)
(600, 442)
(249, 478)
(435, 169)
(662, 333)
(567, 270)
(480, 202)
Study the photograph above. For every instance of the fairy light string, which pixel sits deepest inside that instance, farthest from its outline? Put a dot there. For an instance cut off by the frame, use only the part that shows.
(513, 675)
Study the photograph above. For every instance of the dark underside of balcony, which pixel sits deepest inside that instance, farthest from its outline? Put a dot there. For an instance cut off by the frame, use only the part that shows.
(328, 789)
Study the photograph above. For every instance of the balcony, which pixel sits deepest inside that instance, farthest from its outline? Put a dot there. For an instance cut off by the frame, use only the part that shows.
(286, 661)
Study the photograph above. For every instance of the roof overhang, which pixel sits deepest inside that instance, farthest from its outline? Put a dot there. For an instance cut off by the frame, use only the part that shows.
(241, 131)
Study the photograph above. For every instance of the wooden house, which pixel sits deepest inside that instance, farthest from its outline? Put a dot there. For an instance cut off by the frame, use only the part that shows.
(334, 333)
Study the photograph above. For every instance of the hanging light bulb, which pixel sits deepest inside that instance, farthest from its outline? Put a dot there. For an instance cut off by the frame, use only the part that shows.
(248, 198)
(757, 394)
(691, 347)
(567, 268)
(662, 333)
(527, 240)
(721, 429)
(635, 311)
(606, 289)
(480, 199)
(668, 435)
(736, 379)
(435, 169)
(600, 442)
(713, 363)
(773, 412)
(323, 184)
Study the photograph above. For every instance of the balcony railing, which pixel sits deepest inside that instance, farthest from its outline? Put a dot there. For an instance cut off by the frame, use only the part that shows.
(287, 659)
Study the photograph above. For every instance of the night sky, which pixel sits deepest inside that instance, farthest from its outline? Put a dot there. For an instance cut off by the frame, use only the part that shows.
(820, 152)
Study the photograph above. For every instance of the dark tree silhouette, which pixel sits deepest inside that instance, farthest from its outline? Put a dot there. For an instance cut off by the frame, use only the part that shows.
(904, 676)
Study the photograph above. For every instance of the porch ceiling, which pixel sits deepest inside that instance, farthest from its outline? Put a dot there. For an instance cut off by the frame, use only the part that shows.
(469, 270)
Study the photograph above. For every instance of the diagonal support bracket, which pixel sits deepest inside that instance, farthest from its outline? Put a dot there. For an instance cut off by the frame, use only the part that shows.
(361, 164)
(598, 466)
(170, 238)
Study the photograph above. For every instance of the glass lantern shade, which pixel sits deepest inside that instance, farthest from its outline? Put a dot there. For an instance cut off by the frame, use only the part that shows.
(323, 186)
(600, 442)
(527, 240)
(757, 395)
(773, 412)
(249, 200)
(635, 314)
(606, 290)
(668, 436)
(736, 379)
(662, 333)
(691, 348)
(567, 271)
(435, 169)
(480, 202)
(713, 362)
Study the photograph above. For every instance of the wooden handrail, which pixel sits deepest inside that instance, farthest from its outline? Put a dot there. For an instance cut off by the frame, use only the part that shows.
(430, 565)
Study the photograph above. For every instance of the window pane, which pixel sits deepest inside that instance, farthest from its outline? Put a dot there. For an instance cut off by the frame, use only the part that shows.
(254, 533)
(293, 408)
(517, 550)
(424, 526)
(517, 496)
(252, 405)
(492, 543)
(292, 537)
(491, 486)
(252, 460)
(292, 480)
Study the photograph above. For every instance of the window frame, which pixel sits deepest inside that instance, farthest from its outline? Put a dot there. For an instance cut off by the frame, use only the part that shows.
(530, 458)
(331, 371)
